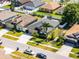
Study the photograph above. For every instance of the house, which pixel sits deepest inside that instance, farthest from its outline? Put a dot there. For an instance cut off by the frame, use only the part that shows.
(72, 35)
(23, 21)
(50, 7)
(54, 23)
(30, 4)
(6, 16)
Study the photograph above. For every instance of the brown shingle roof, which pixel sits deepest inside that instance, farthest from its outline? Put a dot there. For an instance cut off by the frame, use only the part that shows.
(26, 19)
(51, 6)
(73, 29)
(24, 1)
(6, 14)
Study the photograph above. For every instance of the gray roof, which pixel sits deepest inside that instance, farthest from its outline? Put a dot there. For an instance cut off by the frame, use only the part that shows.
(54, 23)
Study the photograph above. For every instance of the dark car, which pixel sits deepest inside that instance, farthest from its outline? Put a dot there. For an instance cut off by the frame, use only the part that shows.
(41, 56)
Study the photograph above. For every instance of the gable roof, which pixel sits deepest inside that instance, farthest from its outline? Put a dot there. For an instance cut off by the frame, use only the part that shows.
(51, 6)
(4, 15)
(24, 20)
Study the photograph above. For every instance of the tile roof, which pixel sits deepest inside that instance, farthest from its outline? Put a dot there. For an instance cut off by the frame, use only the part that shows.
(51, 6)
(73, 29)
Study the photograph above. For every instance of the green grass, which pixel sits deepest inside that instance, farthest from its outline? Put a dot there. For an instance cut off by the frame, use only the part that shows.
(9, 37)
(73, 56)
(51, 14)
(75, 50)
(15, 34)
(42, 47)
(1, 27)
(7, 6)
(22, 55)
(1, 47)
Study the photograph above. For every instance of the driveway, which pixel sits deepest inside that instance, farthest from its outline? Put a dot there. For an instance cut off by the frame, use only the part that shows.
(64, 50)
(3, 31)
(13, 45)
(24, 38)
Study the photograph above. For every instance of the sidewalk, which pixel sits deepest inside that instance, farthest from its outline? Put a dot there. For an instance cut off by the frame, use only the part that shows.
(64, 50)
(3, 31)
(24, 38)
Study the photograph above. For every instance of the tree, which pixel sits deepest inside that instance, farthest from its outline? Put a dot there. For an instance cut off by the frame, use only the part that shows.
(71, 14)
(46, 26)
(13, 2)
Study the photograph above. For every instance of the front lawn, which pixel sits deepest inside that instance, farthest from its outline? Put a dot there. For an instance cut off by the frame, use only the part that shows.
(17, 34)
(73, 56)
(10, 37)
(22, 55)
(42, 47)
(1, 47)
(75, 50)
(7, 6)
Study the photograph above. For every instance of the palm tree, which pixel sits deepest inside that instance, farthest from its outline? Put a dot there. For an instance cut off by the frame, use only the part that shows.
(46, 26)
(13, 4)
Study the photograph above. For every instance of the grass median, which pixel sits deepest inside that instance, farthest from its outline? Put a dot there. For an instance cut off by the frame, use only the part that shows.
(19, 55)
(42, 47)
(10, 37)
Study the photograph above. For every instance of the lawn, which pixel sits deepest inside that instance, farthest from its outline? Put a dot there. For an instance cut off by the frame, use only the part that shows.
(9, 37)
(75, 50)
(1, 47)
(42, 47)
(20, 55)
(7, 6)
(51, 14)
(73, 56)
(17, 34)
(1, 27)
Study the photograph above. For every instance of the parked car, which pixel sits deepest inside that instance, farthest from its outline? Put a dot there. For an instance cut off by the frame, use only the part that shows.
(41, 56)
(30, 52)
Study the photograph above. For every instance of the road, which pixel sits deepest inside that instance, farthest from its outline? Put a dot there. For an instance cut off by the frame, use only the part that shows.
(13, 45)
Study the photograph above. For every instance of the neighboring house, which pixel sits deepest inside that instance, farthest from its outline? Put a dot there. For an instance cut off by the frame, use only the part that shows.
(54, 23)
(50, 7)
(30, 4)
(72, 35)
(23, 21)
(6, 16)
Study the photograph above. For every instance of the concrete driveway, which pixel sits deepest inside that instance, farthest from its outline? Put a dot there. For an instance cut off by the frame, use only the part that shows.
(24, 38)
(64, 50)
(3, 31)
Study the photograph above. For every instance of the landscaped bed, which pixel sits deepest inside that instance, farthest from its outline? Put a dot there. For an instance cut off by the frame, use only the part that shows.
(20, 55)
(41, 46)
(17, 34)
(10, 37)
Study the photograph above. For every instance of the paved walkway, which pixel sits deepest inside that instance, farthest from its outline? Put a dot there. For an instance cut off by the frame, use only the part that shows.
(3, 31)
(24, 38)
(64, 50)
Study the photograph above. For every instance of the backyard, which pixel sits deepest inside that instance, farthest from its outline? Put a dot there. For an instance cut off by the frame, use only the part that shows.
(41, 14)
